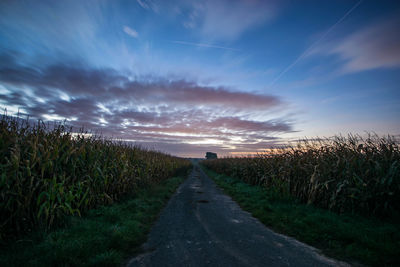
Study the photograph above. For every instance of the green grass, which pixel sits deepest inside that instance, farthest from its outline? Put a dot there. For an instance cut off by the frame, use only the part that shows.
(105, 236)
(348, 237)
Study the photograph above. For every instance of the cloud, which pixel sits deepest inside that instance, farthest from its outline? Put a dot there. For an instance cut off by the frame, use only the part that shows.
(377, 46)
(310, 49)
(148, 5)
(49, 30)
(106, 84)
(226, 19)
(148, 110)
(372, 47)
(205, 45)
(131, 32)
(238, 124)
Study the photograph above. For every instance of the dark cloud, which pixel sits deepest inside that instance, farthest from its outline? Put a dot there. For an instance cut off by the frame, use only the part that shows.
(250, 126)
(182, 91)
(107, 84)
(171, 115)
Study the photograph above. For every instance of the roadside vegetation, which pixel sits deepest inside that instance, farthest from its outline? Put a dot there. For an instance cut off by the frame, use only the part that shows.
(104, 236)
(341, 195)
(48, 174)
(352, 238)
(340, 174)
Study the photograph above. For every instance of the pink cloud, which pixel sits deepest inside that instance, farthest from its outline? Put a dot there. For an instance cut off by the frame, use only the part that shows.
(375, 46)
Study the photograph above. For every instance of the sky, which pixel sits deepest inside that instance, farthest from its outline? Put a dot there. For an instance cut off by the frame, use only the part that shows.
(187, 77)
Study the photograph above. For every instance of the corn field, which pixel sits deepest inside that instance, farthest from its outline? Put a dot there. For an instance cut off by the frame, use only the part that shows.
(343, 174)
(46, 174)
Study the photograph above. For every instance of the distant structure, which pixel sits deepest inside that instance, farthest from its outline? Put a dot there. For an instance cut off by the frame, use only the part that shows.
(211, 155)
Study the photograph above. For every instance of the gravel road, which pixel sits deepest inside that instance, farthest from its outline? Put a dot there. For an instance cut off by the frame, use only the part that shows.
(203, 227)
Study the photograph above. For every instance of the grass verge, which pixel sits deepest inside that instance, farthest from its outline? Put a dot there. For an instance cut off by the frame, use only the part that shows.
(347, 237)
(105, 236)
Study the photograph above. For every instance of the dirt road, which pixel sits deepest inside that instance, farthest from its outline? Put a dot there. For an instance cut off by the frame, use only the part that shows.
(203, 227)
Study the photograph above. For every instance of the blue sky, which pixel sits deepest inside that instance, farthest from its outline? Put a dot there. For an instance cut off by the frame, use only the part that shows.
(186, 77)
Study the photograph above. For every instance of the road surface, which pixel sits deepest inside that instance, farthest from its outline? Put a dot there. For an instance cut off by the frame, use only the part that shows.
(203, 227)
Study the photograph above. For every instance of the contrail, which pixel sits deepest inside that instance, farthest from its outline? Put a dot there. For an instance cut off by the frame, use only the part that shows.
(204, 45)
(315, 43)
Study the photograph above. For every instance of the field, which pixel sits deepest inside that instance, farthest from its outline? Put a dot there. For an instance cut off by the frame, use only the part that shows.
(349, 237)
(81, 199)
(345, 175)
(340, 195)
(49, 173)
